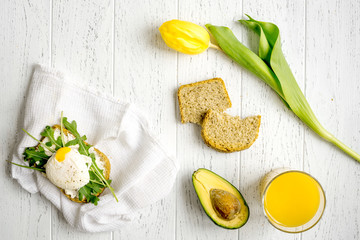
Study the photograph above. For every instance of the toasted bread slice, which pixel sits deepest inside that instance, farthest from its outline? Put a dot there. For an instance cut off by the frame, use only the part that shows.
(226, 133)
(103, 158)
(197, 98)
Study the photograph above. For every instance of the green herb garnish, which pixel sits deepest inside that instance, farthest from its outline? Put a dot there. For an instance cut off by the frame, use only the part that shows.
(72, 127)
(89, 194)
(74, 142)
(61, 129)
(49, 133)
(36, 156)
(98, 172)
(41, 143)
(34, 168)
(93, 188)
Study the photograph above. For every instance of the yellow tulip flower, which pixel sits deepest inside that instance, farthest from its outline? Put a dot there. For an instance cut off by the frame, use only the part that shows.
(185, 37)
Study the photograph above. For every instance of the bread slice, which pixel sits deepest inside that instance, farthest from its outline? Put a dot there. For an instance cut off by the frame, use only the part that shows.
(226, 133)
(197, 98)
(103, 158)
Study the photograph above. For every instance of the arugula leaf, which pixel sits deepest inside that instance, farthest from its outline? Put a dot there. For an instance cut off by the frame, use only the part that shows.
(96, 179)
(94, 200)
(33, 155)
(72, 127)
(75, 141)
(93, 176)
(62, 129)
(41, 143)
(49, 133)
(85, 191)
(89, 193)
(99, 173)
(23, 166)
(59, 141)
(81, 195)
(95, 186)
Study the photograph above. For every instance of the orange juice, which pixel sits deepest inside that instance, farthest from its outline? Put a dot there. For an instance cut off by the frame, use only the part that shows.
(292, 199)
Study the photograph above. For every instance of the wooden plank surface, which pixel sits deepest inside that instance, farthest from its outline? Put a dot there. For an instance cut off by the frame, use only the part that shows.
(145, 74)
(192, 152)
(115, 47)
(332, 87)
(23, 43)
(82, 43)
(280, 142)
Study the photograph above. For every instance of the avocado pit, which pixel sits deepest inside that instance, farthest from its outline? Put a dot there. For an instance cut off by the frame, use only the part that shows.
(225, 204)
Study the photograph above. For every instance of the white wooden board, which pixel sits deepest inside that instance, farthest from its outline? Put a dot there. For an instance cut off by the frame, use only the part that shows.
(115, 47)
(24, 41)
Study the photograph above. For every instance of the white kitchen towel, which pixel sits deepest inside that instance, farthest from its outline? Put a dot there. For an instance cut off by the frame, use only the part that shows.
(142, 172)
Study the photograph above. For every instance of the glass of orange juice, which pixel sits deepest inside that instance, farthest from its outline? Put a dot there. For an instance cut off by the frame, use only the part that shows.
(293, 201)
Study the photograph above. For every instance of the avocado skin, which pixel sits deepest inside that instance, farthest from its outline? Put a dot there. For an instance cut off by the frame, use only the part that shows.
(207, 213)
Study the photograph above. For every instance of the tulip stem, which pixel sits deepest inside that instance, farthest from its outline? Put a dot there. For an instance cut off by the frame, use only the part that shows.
(215, 46)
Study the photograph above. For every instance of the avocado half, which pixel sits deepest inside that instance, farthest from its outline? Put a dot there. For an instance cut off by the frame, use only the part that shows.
(234, 211)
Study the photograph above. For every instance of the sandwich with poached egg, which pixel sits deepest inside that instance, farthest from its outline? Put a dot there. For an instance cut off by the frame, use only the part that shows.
(78, 169)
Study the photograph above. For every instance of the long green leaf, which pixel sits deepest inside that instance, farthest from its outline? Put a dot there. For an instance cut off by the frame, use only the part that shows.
(267, 41)
(245, 57)
(281, 80)
(270, 41)
(292, 92)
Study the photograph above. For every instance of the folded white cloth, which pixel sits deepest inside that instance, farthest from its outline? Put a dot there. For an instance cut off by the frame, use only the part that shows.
(141, 170)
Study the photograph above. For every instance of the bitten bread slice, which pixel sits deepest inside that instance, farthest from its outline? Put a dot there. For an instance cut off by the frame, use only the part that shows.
(197, 98)
(226, 133)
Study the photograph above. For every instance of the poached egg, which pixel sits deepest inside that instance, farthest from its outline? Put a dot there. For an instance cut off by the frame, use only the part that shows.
(68, 169)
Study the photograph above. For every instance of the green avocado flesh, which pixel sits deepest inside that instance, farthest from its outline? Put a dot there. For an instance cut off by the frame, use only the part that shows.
(222, 202)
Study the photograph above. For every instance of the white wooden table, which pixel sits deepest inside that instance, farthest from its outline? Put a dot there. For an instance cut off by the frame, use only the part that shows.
(116, 47)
